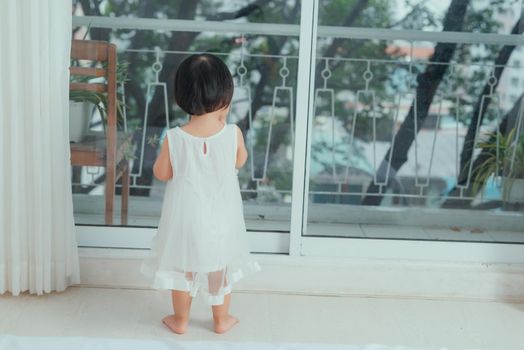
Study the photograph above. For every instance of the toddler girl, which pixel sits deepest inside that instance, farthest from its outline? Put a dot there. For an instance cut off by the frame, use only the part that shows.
(201, 245)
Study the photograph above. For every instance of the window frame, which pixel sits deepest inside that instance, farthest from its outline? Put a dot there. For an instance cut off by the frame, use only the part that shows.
(296, 242)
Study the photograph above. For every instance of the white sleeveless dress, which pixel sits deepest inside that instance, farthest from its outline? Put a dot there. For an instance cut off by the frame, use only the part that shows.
(201, 245)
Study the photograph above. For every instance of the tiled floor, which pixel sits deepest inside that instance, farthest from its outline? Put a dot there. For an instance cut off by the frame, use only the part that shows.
(130, 313)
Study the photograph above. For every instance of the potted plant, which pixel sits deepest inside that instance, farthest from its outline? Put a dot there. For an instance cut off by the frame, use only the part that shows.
(82, 104)
(505, 165)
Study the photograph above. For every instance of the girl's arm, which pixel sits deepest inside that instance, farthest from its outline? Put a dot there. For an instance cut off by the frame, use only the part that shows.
(241, 150)
(162, 168)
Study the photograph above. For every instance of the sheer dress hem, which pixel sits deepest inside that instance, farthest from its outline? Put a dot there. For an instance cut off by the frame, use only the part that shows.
(176, 280)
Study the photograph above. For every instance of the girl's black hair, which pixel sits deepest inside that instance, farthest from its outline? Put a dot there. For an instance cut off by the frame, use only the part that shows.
(203, 84)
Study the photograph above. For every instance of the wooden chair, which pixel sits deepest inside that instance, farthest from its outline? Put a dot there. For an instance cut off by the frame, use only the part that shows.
(103, 149)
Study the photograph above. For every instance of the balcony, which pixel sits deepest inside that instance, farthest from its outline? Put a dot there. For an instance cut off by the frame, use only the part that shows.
(426, 190)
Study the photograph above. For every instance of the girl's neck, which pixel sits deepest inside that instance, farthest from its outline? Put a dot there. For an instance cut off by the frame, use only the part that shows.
(219, 115)
(206, 124)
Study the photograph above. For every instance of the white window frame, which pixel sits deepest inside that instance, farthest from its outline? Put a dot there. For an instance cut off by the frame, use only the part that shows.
(297, 242)
(368, 248)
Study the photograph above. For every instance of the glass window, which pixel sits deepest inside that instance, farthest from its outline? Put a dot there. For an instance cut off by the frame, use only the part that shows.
(263, 62)
(396, 150)
(482, 16)
(405, 119)
(287, 12)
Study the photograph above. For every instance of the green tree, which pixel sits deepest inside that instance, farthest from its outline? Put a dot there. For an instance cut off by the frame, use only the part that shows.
(264, 72)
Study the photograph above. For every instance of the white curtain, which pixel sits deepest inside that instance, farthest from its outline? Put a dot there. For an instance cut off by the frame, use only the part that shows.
(38, 251)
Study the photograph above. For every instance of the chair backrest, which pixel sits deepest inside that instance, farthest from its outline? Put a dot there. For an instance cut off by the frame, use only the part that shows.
(105, 53)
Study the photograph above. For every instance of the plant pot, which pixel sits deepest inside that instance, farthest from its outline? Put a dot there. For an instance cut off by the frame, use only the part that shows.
(79, 119)
(514, 190)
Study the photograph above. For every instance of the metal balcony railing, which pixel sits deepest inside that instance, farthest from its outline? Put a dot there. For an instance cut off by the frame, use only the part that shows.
(340, 142)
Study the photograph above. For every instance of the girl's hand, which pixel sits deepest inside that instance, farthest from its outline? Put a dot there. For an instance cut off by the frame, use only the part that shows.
(162, 168)
(241, 150)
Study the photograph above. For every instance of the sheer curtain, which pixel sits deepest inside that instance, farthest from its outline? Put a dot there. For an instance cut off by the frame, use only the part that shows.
(38, 250)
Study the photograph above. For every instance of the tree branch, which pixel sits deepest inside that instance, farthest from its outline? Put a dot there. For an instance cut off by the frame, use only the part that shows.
(92, 8)
(409, 14)
(484, 100)
(428, 82)
(243, 12)
(181, 41)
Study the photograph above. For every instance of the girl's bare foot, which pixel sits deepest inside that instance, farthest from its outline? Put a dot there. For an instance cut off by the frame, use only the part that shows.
(175, 324)
(224, 324)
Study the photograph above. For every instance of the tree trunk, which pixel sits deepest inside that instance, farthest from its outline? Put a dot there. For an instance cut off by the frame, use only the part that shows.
(268, 66)
(428, 82)
(92, 8)
(181, 41)
(480, 108)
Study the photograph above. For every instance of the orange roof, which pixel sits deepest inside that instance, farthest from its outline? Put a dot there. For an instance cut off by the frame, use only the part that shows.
(417, 52)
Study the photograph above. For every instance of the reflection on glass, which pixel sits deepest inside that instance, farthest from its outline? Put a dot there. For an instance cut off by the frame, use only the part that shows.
(482, 16)
(412, 123)
(276, 11)
(264, 67)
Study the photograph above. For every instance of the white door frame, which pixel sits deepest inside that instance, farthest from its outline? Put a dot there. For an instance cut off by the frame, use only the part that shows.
(363, 248)
(305, 98)
(297, 242)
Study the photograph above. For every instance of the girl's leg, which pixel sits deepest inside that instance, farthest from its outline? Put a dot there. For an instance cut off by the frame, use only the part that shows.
(181, 307)
(221, 317)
